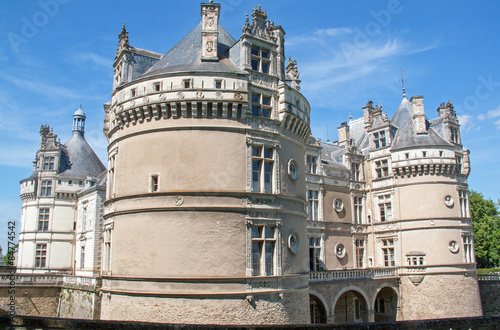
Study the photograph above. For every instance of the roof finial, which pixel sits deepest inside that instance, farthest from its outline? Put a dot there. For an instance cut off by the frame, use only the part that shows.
(327, 137)
(80, 105)
(350, 116)
(403, 82)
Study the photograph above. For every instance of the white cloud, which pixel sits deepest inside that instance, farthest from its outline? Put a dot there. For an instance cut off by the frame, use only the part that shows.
(481, 116)
(494, 113)
(95, 59)
(497, 124)
(333, 32)
(40, 87)
(466, 122)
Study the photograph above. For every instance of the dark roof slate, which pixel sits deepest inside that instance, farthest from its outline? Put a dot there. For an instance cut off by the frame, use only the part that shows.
(186, 55)
(406, 137)
(79, 160)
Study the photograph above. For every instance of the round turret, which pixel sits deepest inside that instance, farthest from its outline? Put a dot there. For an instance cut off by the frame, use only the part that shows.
(79, 120)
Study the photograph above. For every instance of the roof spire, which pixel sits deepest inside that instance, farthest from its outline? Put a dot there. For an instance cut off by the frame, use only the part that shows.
(403, 82)
(79, 121)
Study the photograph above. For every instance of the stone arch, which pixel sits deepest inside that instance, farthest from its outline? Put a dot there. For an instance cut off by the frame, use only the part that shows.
(318, 308)
(385, 303)
(350, 305)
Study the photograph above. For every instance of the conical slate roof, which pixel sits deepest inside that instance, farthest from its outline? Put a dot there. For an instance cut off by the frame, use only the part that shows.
(186, 55)
(78, 160)
(406, 137)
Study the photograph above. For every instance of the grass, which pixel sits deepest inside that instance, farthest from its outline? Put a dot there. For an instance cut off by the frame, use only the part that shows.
(487, 271)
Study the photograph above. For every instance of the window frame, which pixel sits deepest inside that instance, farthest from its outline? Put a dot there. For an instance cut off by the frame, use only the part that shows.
(312, 164)
(259, 107)
(315, 247)
(380, 139)
(356, 171)
(382, 168)
(261, 266)
(463, 200)
(260, 171)
(468, 241)
(48, 163)
(359, 245)
(46, 188)
(357, 202)
(385, 213)
(41, 255)
(258, 60)
(313, 205)
(43, 219)
(388, 251)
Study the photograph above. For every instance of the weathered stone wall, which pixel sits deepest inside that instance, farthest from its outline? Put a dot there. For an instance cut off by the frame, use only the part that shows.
(79, 304)
(263, 309)
(33, 301)
(490, 297)
(440, 296)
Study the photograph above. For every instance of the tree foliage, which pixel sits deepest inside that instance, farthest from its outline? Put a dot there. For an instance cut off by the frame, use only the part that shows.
(486, 224)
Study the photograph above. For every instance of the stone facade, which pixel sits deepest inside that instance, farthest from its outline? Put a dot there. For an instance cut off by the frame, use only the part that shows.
(218, 206)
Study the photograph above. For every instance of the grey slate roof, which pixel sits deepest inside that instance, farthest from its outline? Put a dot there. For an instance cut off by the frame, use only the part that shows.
(406, 137)
(358, 134)
(186, 55)
(78, 160)
(332, 156)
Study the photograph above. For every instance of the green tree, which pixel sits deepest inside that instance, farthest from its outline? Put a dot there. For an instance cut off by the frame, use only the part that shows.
(8, 257)
(486, 224)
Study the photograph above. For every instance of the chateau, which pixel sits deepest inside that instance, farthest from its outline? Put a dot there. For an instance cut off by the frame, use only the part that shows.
(219, 207)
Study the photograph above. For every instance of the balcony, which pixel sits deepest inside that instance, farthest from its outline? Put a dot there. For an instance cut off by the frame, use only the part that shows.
(353, 274)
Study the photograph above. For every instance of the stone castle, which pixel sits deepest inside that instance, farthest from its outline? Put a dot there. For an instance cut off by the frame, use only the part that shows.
(219, 207)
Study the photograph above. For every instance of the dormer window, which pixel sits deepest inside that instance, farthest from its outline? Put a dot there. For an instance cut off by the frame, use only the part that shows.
(454, 135)
(379, 139)
(48, 163)
(260, 59)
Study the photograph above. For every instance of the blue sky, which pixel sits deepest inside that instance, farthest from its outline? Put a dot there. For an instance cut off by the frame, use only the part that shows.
(56, 54)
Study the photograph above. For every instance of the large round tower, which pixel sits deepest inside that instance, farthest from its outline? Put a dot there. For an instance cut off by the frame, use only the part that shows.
(205, 216)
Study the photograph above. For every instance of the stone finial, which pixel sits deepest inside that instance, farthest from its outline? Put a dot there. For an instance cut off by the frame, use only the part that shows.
(293, 72)
(123, 42)
(247, 28)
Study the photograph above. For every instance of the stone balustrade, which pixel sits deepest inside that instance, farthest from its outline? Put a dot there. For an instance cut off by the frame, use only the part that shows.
(335, 275)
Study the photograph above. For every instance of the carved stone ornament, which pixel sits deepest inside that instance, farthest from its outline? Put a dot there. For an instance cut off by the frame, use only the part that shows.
(238, 96)
(246, 201)
(448, 201)
(219, 95)
(132, 103)
(163, 97)
(178, 200)
(294, 242)
(210, 46)
(340, 250)
(416, 280)
(180, 95)
(120, 108)
(110, 208)
(453, 246)
(338, 205)
(293, 169)
(200, 95)
(210, 22)
(145, 99)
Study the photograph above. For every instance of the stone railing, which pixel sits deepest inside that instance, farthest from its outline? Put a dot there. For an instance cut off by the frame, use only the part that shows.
(336, 275)
(31, 279)
(492, 277)
(81, 281)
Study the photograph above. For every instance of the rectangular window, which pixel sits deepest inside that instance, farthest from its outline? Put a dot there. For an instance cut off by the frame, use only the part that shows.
(82, 257)
(187, 83)
(454, 135)
(464, 203)
(133, 92)
(262, 169)
(355, 171)
(48, 163)
(388, 252)
(260, 60)
(41, 256)
(314, 253)
(84, 218)
(107, 250)
(358, 209)
(111, 176)
(218, 84)
(360, 253)
(154, 183)
(157, 87)
(313, 203)
(46, 190)
(263, 250)
(382, 168)
(43, 219)
(385, 207)
(261, 105)
(458, 168)
(468, 248)
(311, 164)
(379, 139)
